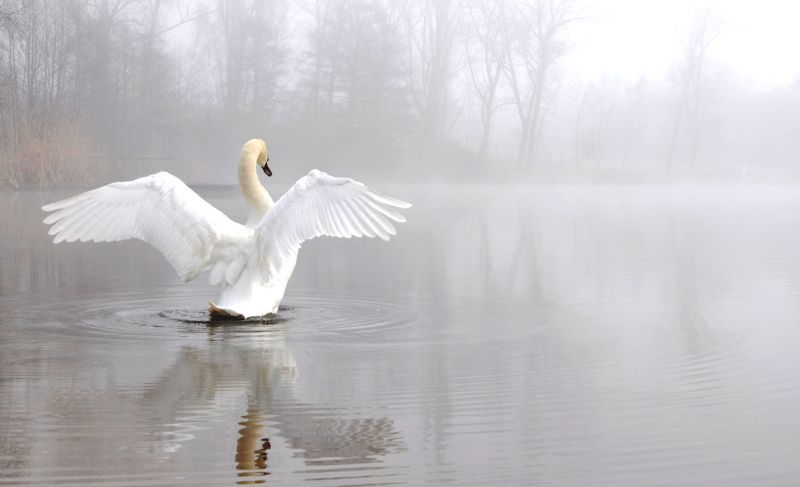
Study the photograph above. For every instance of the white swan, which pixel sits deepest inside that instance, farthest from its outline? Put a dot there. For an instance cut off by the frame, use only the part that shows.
(252, 262)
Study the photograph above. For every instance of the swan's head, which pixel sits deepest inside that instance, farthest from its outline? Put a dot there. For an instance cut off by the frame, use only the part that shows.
(255, 149)
(263, 158)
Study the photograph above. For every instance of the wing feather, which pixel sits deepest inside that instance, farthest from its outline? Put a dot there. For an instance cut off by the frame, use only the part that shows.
(387, 200)
(387, 211)
(158, 209)
(382, 228)
(354, 219)
(363, 223)
(320, 204)
(366, 226)
(344, 224)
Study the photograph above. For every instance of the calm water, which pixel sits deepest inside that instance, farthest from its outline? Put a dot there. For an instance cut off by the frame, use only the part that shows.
(530, 336)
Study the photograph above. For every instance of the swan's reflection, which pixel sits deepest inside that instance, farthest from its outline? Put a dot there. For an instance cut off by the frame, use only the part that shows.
(251, 447)
(254, 362)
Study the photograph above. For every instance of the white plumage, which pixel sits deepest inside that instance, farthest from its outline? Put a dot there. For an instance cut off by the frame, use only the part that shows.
(253, 264)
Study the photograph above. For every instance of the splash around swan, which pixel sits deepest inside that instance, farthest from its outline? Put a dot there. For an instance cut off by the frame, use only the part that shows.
(253, 262)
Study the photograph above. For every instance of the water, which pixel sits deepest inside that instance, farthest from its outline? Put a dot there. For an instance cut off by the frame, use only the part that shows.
(524, 336)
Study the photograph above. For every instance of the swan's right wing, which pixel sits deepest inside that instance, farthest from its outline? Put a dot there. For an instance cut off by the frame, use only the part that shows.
(158, 209)
(320, 204)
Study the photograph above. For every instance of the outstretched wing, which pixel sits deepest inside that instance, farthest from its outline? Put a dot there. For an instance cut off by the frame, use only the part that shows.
(158, 209)
(320, 204)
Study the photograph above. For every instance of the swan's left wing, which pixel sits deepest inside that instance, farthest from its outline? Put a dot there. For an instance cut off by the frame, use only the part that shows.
(320, 204)
(158, 209)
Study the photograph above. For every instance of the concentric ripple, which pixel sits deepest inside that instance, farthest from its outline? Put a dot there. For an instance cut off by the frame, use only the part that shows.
(175, 312)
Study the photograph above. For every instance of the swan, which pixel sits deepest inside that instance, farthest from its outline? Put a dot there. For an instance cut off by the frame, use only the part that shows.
(253, 262)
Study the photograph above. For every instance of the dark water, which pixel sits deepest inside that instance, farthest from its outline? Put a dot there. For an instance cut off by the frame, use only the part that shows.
(529, 336)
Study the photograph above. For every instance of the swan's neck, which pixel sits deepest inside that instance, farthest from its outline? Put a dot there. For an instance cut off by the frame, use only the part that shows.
(254, 193)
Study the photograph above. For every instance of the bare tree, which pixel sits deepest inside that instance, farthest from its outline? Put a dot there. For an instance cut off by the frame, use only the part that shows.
(691, 77)
(598, 126)
(35, 62)
(247, 38)
(538, 29)
(486, 63)
(355, 78)
(431, 31)
(635, 122)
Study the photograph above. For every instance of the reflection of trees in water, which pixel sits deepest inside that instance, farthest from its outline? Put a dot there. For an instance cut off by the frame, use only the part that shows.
(487, 250)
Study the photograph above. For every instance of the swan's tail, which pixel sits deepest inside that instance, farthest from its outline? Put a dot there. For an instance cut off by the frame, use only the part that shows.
(217, 312)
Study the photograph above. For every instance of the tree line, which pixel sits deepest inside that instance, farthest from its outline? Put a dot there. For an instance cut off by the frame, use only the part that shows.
(415, 90)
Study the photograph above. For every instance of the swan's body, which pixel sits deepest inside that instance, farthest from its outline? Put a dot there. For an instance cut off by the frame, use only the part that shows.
(251, 262)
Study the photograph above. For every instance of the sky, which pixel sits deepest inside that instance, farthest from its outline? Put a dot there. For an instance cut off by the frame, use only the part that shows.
(759, 44)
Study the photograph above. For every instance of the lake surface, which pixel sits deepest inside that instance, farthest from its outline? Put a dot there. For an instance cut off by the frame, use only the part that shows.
(605, 336)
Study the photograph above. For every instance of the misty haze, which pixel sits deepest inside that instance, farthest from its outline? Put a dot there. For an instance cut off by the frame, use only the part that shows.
(597, 283)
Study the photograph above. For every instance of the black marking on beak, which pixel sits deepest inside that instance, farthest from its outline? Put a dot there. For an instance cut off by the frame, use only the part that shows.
(266, 169)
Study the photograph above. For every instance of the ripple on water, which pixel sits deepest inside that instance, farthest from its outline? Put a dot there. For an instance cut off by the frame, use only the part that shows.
(175, 313)
(110, 335)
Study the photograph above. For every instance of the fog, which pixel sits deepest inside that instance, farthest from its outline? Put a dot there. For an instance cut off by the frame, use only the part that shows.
(401, 91)
(598, 282)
